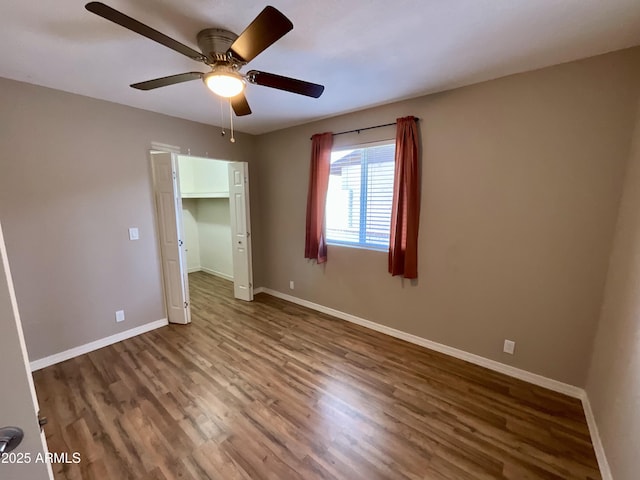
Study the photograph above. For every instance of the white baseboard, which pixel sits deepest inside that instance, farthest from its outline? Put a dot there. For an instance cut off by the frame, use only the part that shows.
(216, 273)
(551, 384)
(533, 378)
(90, 347)
(603, 464)
(194, 269)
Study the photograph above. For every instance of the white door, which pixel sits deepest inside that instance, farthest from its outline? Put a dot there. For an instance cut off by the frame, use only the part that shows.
(18, 404)
(172, 249)
(240, 230)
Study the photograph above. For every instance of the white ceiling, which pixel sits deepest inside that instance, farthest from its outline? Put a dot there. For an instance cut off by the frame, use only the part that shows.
(366, 52)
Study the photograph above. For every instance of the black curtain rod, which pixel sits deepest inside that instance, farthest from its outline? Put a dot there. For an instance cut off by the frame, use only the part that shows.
(358, 130)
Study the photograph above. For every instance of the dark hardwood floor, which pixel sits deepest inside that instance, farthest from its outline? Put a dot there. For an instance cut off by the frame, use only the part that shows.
(271, 390)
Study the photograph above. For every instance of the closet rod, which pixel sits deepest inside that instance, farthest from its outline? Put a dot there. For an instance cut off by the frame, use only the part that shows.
(358, 130)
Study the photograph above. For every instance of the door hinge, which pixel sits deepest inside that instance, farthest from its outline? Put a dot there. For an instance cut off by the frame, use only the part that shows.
(42, 421)
(174, 175)
(248, 234)
(186, 304)
(180, 243)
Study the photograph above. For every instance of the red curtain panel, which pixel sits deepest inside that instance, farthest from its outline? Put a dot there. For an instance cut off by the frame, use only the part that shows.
(315, 245)
(405, 213)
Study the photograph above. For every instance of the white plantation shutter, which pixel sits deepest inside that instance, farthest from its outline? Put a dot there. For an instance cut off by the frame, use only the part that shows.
(358, 210)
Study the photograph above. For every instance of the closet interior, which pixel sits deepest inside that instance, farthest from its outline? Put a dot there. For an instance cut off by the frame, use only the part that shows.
(204, 188)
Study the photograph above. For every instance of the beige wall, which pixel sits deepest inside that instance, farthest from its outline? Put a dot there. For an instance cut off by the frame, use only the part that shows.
(521, 180)
(74, 176)
(613, 384)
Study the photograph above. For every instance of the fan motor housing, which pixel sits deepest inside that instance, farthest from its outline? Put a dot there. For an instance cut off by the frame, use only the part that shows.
(214, 43)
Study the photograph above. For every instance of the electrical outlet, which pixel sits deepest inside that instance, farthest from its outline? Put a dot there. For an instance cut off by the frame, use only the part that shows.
(292, 285)
(509, 347)
(120, 316)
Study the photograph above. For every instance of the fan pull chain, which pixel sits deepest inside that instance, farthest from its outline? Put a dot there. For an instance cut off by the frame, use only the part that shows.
(232, 139)
(222, 133)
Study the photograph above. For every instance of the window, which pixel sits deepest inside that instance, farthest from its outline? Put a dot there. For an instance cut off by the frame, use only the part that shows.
(360, 194)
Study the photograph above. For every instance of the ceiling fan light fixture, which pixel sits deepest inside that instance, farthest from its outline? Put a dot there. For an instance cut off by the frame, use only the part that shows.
(225, 54)
(224, 82)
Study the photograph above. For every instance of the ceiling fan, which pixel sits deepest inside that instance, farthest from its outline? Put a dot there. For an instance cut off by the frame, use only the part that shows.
(225, 53)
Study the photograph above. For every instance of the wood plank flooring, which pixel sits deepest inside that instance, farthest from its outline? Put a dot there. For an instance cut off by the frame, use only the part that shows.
(272, 390)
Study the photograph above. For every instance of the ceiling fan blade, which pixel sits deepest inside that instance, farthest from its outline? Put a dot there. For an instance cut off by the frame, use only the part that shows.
(240, 105)
(125, 21)
(285, 83)
(165, 81)
(268, 27)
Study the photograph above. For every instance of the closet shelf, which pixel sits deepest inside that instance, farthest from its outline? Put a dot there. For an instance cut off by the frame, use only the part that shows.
(205, 195)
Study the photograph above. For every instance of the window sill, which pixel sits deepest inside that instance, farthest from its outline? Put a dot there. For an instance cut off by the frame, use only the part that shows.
(359, 247)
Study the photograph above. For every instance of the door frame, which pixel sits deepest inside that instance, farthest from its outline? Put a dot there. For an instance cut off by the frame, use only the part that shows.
(157, 147)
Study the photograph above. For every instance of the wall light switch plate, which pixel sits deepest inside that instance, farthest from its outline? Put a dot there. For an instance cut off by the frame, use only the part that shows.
(509, 347)
(120, 316)
(134, 234)
(292, 285)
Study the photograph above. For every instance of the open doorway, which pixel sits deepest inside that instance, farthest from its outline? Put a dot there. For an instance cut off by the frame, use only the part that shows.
(202, 211)
(206, 217)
